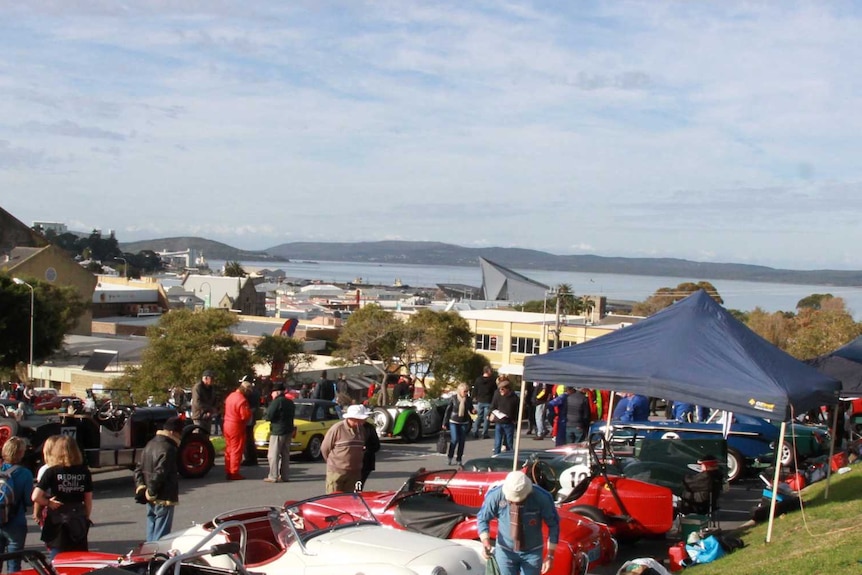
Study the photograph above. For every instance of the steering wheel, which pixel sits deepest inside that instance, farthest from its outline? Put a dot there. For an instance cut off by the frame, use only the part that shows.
(332, 520)
(543, 475)
(155, 562)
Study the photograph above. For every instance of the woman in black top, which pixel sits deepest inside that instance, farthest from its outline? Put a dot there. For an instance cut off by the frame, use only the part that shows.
(71, 503)
(457, 418)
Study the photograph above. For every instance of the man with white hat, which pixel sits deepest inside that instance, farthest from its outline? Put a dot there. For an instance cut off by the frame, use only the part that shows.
(343, 448)
(520, 508)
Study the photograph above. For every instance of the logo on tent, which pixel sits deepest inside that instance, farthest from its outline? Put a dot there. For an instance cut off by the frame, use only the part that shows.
(762, 405)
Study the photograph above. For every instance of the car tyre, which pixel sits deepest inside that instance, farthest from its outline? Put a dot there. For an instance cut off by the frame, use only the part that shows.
(196, 455)
(590, 512)
(382, 420)
(8, 429)
(412, 431)
(735, 464)
(788, 457)
(312, 450)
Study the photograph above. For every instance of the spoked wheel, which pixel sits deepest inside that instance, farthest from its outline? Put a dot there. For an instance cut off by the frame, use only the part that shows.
(196, 455)
(8, 429)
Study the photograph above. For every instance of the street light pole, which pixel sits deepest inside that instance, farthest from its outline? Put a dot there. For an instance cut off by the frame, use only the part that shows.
(20, 282)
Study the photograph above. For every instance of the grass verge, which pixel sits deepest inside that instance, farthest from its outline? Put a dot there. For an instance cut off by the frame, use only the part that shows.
(823, 538)
(218, 444)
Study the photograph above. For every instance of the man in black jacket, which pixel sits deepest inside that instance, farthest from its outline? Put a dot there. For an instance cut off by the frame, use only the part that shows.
(484, 389)
(504, 410)
(280, 415)
(157, 480)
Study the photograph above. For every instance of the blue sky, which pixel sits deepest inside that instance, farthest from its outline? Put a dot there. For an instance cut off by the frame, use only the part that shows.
(712, 131)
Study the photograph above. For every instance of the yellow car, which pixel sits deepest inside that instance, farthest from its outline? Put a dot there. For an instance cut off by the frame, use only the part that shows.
(312, 420)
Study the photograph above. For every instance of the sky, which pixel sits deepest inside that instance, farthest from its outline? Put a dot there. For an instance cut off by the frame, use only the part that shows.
(723, 131)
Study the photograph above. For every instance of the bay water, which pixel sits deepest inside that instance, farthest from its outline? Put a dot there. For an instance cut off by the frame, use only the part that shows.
(740, 295)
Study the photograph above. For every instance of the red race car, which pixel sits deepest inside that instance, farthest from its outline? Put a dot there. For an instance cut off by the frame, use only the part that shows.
(425, 504)
(629, 507)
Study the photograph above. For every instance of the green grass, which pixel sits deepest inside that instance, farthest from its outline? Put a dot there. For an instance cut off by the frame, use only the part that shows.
(218, 444)
(825, 538)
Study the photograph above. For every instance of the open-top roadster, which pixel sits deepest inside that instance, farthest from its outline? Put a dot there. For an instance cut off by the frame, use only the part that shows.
(423, 504)
(631, 508)
(332, 534)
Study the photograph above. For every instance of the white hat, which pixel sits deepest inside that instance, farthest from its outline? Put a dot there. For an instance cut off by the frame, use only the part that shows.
(517, 486)
(356, 412)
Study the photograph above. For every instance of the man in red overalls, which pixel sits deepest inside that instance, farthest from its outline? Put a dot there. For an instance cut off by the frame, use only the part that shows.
(236, 414)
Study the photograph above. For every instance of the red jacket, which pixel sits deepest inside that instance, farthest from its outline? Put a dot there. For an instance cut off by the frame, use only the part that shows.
(236, 409)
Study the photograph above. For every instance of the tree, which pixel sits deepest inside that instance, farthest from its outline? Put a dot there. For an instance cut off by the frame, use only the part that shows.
(56, 310)
(664, 297)
(813, 301)
(284, 355)
(434, 339)
(569, 303)
(182, 345)
(777, 328)
(234, 270)
(820, 331)
(372, 336)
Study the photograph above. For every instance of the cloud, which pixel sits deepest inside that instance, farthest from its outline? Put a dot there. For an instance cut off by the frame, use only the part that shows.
(706, 129)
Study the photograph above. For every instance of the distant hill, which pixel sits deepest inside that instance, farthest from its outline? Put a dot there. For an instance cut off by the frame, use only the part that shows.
(209, 248)
(438, 253)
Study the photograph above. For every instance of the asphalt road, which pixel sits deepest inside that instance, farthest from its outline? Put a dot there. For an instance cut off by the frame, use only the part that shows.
(119, 523)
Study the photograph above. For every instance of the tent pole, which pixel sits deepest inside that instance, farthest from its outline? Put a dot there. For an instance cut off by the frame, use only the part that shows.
(610, 411)
(517, 446)
(832, 437)
(780, 448)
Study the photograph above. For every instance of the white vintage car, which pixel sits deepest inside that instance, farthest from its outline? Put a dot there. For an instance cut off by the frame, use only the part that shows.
(333, 534)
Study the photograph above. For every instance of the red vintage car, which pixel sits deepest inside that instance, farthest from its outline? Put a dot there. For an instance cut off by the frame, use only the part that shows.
(629, 507)
(425, 504)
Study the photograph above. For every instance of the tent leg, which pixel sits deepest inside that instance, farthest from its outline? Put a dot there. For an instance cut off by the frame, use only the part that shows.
(775, 481)
(831, 449)
(610, 411)
(517, 446)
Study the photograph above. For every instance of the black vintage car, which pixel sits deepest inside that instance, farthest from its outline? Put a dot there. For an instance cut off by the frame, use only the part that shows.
(111, 431)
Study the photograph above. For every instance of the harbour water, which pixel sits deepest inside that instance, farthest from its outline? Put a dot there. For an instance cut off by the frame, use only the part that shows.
(740, 295)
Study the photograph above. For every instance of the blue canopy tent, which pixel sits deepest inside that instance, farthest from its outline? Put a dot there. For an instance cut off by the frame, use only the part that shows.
(845, 365)
(693, 351)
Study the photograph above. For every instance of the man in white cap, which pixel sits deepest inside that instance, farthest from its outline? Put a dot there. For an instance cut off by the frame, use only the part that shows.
(520, 508)
(343, 448)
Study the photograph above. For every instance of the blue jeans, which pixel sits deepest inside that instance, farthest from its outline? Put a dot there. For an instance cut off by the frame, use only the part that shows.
(541, 422)
(504, 431)
(160, 518)
(574, 435)
(457, 437)
(12, 539)
(518, 562)
(482, 411)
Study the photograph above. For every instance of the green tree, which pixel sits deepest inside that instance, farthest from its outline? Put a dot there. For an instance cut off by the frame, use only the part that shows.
(664, 297)
(57, 309)
(372, 336)
(284, 354)
(185, 343)
(435, 338)
(234, 270)
(455, 366)
(813, 301)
